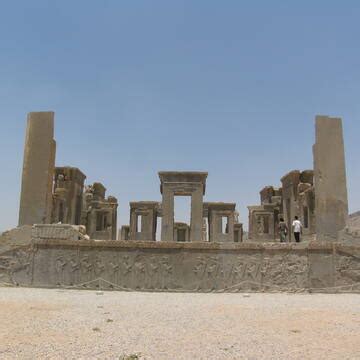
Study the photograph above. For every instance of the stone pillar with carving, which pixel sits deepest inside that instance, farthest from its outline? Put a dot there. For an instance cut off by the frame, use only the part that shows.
(331, 199)
(38, 169)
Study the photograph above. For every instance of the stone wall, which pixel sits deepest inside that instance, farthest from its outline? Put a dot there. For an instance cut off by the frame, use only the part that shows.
(158, 266)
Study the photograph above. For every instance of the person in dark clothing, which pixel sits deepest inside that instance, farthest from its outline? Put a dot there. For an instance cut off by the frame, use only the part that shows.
(283, 230)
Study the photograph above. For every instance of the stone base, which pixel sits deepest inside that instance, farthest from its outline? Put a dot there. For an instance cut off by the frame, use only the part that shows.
(183, 267)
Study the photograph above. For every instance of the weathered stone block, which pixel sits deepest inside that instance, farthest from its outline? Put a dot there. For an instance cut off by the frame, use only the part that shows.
(321, 270)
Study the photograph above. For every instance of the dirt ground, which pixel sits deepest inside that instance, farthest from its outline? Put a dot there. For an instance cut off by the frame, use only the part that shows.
(72, 324)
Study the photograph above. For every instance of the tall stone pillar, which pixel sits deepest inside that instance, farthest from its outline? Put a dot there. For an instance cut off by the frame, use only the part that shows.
(196, 222)
(167, 222)
(331, 202)
(38, 169)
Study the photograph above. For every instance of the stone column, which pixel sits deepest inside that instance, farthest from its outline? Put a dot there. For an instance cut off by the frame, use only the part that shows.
(231, 223)
(91, 223)
(124, 233)
(331, 202)
(38, 169)
(167, 223)
(133, 223)
(272, 225)
(147, 222)
(196, 214)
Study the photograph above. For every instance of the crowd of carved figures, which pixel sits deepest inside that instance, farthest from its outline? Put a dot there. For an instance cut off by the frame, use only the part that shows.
(160, 271)
(157, 271)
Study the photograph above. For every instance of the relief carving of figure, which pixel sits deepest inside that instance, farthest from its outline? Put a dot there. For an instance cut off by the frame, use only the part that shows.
(272, 270)
(73, 272)
(221, 276)
(212, 270)
(86, 268)
(297, 270)
(252, 271)
(139, 272)
(114, 266)
(74, 264)
(126, 268)
(86, 265)
(199, 271)
(153, 273)
(237, 272)
(99, 267)
(166, 272)
(60, 264)
(199, 268)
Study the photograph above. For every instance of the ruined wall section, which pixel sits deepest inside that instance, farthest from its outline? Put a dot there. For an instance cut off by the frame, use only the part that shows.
(156, 266)
(331, 201)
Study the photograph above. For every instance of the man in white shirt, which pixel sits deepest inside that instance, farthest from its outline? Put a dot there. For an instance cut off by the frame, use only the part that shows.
(297, 228)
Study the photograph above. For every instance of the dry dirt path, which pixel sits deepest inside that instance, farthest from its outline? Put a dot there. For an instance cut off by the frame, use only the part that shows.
(72, 324)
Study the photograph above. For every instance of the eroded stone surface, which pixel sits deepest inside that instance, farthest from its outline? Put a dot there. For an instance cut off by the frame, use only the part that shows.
(203, 267)
(331, 201)
(38, 169)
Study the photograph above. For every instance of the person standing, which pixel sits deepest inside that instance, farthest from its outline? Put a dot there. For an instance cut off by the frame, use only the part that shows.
(297, 228)
(283, 230)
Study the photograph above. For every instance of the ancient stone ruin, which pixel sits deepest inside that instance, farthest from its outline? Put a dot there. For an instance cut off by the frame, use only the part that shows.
(296, 197)
(68, 231)
(52, 195)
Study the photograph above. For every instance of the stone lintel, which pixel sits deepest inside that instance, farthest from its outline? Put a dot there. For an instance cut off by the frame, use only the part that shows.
(144, 205)
(220, 206)
(267, 208)
(181, 225)
(74, 173)
(183, 177)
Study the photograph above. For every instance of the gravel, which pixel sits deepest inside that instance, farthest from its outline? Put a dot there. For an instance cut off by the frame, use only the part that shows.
(72, 324)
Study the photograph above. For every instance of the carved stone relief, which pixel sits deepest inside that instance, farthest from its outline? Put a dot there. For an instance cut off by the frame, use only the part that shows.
(181, 269)
(15, 267)
(347, 268)
(285, 271)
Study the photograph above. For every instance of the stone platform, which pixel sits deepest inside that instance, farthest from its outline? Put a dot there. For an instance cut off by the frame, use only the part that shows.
(183, 267)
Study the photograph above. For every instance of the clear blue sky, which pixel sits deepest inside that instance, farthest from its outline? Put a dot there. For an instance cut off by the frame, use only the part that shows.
(229, 87)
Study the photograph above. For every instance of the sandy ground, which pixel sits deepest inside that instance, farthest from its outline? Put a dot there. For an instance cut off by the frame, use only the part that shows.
(72, 324)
